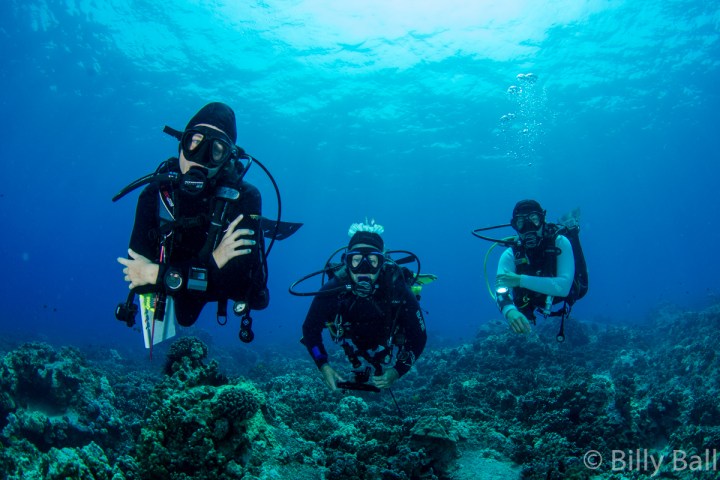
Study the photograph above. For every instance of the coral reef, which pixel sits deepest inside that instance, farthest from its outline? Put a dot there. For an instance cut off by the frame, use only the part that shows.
(58, 415)
(503, 406)
(200, 425)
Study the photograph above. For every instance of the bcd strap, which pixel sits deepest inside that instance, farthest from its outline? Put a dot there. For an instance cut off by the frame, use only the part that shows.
(183, 224)
(223, 196)
(216, 223)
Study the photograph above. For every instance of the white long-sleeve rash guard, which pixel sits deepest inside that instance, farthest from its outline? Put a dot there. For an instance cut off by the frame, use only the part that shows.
(558, 286)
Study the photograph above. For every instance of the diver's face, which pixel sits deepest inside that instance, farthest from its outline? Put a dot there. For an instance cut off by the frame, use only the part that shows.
(186, 164)
(531, 238)
(364, 263)
(529, 227)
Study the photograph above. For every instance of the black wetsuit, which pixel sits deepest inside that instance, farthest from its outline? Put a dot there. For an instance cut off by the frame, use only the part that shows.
(239, 279)
(391, 317)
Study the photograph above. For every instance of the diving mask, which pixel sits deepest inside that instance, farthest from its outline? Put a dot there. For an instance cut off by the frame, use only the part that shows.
(207, 146)
(529, 228)
(528, 222)
(364, 261)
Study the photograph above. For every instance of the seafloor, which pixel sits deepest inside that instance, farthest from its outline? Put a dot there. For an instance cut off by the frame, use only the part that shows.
(611, 402)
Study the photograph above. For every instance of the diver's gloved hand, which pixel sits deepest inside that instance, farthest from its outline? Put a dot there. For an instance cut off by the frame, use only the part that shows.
(508, 279)
(330, 376)
(386, 379)
(231, 242)
(518, 322)
(139, 270)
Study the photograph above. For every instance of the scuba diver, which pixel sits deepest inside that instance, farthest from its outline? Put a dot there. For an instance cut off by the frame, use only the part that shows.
(542, 267)
(369, 308)
(198, 235)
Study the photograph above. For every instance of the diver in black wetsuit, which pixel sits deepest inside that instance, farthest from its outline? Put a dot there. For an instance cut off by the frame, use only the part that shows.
(376, 319)
(198, 240)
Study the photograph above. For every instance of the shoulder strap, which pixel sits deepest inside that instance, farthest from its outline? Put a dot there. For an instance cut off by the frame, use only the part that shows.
(550, 250)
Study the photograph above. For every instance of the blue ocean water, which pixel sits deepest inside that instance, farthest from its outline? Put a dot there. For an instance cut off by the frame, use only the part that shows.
(411, 113)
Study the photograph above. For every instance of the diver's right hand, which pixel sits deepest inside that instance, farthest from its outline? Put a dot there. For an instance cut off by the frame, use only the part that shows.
(330, 376)
(139, 270)
(518, 322)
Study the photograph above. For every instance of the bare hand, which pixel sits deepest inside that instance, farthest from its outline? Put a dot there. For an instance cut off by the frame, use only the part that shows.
(507, 280)
(139, 270)
(231, 242)
(386, 379)
(518, 322)
(330, 377)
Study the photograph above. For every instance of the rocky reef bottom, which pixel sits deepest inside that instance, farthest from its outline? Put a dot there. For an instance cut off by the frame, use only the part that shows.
(611, 402)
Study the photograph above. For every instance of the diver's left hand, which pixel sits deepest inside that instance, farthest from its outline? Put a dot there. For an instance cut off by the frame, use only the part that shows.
(386, 379)
(508, 280)
(231, 243)
(139, 270)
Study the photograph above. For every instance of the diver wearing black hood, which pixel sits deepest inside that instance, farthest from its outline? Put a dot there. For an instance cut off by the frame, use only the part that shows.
(370, 310)
(197, 239)
(538, 272)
